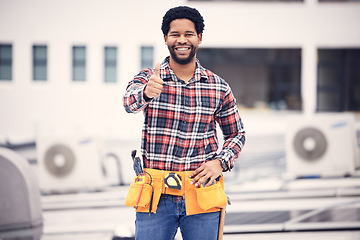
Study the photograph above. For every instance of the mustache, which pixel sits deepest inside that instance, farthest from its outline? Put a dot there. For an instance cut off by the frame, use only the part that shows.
(183, 45)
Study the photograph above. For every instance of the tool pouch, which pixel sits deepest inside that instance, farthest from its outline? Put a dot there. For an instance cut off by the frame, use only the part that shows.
(141, 192)
(139, 195)
(212, 196)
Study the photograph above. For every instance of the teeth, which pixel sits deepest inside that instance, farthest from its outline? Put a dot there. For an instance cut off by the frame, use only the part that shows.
(182, 49)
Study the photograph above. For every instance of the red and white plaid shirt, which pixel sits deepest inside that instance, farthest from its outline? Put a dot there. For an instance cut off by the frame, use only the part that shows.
(179, 131)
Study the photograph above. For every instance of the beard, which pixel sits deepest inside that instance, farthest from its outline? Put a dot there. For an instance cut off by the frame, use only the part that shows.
(182, 61)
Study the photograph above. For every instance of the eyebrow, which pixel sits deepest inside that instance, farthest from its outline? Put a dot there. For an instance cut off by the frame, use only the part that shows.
(185, 32)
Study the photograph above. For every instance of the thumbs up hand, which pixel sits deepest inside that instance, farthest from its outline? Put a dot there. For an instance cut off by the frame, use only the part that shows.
(155, 84)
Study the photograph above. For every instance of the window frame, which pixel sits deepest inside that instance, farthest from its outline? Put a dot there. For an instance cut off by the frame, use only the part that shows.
(147, 62)
(6, 62)
(78, 64)
(39, 62)
(110, 64)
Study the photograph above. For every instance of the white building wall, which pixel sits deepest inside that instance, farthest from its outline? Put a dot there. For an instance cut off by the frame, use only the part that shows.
(59, 105)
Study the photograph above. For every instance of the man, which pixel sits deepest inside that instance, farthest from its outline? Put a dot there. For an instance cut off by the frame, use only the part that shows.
(182, 101)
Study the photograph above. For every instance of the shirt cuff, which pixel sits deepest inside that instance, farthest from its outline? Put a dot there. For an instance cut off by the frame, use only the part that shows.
(226, 157)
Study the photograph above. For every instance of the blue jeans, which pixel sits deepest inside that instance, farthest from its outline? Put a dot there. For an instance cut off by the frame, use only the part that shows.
(170, 215)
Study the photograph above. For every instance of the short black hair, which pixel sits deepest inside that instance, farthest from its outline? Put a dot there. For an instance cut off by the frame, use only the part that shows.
(183, 12)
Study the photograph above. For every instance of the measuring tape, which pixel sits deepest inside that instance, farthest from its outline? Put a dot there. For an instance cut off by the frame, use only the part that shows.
(173, 181)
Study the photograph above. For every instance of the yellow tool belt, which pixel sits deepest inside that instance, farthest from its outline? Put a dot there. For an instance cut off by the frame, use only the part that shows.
(145, 192)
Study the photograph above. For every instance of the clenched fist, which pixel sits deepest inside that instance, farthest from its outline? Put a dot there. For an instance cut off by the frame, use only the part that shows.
(154, 86)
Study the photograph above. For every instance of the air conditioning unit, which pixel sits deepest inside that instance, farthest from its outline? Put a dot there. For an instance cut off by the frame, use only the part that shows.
(70, 163)
(321, 145)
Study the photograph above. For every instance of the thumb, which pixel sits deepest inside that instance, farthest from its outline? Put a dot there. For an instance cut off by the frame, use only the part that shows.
(157, 69)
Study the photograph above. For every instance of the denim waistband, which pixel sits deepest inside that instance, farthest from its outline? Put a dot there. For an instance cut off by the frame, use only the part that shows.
(173, 198)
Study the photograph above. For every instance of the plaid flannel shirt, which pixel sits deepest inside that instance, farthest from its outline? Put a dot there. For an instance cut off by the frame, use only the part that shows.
(179, 130)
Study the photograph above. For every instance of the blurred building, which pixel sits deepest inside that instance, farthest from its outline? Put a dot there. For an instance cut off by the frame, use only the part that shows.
(64, 65)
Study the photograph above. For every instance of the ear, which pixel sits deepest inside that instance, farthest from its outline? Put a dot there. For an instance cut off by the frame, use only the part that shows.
(165, 39)
(200, 38)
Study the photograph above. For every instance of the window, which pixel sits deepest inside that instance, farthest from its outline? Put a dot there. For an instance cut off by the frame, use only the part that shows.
(5, 62)
(259, 78)
(147, 56)
(79, 63)
(339, 0)
(338, 84)
(110, 56)
(246, 0)
(39, 63)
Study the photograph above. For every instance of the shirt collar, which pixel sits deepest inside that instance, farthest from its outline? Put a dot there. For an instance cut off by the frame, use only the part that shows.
(166, 73)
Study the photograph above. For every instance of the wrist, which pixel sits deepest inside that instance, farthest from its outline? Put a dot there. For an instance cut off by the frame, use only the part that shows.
(224, 164)
(146, 98)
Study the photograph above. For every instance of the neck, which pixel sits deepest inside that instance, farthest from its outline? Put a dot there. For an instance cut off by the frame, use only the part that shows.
(184, 72)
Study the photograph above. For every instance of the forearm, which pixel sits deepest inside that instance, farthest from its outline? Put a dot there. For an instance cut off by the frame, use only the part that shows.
(232, 147)
(233, 131)
(133, 99)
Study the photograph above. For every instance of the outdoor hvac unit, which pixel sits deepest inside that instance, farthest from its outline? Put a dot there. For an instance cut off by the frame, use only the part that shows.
(321, 145)
(67, 164)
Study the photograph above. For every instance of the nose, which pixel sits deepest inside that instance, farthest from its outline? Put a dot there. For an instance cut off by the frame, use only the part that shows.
(182, 39)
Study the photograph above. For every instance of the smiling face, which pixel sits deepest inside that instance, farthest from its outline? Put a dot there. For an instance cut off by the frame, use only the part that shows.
(182, 41)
